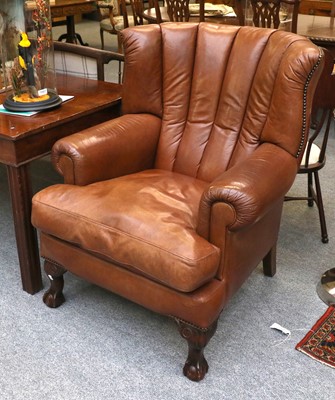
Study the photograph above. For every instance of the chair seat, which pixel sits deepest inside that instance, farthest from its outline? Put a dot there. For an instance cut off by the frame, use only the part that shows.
(106, 25)
(124, 227)
(313, 155)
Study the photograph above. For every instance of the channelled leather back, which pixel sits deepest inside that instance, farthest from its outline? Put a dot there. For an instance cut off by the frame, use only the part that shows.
(220, 90)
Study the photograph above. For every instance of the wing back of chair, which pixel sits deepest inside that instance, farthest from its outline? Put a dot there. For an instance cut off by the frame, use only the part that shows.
(200, 117)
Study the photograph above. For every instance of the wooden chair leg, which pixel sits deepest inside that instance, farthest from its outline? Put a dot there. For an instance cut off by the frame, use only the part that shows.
(119, 44)
(310, 190)
(319, 202)
(270, 262)
(120, 51)
(102, 39)
(54, 296)
(196, 365)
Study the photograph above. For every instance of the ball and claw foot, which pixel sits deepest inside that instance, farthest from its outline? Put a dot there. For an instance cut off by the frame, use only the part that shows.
(196, 372)
(54, 297)
(196, 365)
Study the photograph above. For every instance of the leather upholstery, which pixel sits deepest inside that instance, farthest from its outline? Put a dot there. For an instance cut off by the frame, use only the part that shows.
(174, 255)
(176, 202)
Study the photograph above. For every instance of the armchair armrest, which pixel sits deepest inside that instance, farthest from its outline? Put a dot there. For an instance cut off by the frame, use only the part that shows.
(103, 56)
(102, 5)
(248, 190)
(108, 10)
(117, 147)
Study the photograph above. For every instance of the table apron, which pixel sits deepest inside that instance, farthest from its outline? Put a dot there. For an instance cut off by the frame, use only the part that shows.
(63, 11)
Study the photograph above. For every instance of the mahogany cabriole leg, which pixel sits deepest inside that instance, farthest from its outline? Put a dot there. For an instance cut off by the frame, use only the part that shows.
(196, 365)
(269, 262)
(54, 296)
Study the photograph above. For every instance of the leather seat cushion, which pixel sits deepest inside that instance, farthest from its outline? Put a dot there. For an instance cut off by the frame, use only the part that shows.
(144, 221)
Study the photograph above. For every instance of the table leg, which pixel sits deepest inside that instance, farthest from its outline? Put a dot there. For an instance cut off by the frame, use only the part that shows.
(71, 36)
(332, 12)
(26, 236)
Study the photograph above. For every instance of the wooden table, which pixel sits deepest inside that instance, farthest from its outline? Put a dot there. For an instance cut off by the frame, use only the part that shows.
(150, 15)
(319, 29)
(317, 7)
(68, 9)
(23, 139)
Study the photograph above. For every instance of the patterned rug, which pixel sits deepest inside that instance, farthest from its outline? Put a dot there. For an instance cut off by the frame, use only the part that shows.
(319, 343)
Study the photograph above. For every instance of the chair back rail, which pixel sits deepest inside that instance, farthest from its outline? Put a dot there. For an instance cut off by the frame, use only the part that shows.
(324, 102)
(79, 59)
(270, 13)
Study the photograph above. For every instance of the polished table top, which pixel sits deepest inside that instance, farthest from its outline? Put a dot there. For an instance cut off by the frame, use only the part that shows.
(15, 128)
(69, 2)
(217, 13)
(65, 7)
(318, 28)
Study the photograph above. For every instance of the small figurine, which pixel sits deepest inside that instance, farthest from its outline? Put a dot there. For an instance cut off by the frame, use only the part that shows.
(26, 60)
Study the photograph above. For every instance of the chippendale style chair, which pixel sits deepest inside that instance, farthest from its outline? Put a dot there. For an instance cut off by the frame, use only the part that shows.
(137, 9)
(113, 19)
(178, 10)
(273, 13)
(314, 158)
(176, 202)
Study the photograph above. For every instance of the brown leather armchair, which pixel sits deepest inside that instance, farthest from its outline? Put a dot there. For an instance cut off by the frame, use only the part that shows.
(175, 203)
